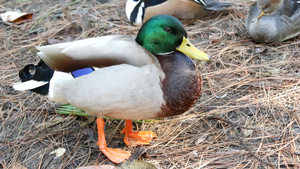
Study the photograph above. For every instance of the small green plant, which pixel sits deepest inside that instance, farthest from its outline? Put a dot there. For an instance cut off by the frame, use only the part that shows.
(67, 109)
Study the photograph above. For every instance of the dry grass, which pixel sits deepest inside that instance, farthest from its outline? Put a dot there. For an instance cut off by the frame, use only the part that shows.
(247, 116)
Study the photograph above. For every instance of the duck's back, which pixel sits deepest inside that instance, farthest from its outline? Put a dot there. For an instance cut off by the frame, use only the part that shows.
(95, 52)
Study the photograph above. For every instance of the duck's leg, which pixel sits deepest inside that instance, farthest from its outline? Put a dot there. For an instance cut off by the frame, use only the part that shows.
(115, 155)
(133, 138)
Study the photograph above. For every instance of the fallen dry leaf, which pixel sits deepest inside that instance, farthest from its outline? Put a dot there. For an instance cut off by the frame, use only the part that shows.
(136, 164)
(274, 71)
(260, 50)
(58, 152)
(98, 167)
(137, 154)
(202, 138)
(247, 133)
(14, 17)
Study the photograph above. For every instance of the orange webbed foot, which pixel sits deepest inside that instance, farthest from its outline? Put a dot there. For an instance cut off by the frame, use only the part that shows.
(139, 138)
(133, 138)
(115, 155)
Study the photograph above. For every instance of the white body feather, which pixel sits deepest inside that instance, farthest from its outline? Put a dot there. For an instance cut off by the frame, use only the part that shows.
(121, 91)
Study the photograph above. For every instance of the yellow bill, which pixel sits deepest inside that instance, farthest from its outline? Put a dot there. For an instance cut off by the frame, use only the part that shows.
(260, 15)
(189, 49)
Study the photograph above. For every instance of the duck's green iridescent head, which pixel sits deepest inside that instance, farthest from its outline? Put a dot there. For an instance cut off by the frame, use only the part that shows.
(164, 34)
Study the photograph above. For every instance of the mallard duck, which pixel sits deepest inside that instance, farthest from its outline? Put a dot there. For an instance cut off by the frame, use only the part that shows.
(139, 11)
(122, 77)
(271, 21)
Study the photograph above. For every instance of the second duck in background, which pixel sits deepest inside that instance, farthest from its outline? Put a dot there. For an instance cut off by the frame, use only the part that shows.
(139, 11)
(271, 21)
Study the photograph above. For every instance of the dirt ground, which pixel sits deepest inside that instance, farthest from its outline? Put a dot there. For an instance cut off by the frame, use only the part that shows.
(248, 115)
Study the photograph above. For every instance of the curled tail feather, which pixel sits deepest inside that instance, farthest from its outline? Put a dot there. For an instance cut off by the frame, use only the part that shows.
(35, 78)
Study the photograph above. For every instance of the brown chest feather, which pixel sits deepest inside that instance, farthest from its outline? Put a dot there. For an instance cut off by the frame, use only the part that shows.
(182, 85)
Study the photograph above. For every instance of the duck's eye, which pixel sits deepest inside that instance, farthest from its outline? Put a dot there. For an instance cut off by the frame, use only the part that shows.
(168, 29)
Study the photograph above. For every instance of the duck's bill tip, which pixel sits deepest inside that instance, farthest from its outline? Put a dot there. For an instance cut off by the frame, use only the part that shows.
(200, 56)
(189, 49)
(260, 15)
(208, 57)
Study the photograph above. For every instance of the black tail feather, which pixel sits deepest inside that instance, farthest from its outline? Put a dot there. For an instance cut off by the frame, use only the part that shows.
(25, 74)
(39, 72)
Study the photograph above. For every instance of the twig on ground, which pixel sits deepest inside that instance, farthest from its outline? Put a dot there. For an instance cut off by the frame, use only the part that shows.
(65, 9)
(233, 126)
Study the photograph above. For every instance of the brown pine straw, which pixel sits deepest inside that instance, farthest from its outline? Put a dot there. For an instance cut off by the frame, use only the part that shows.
(248, 115)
